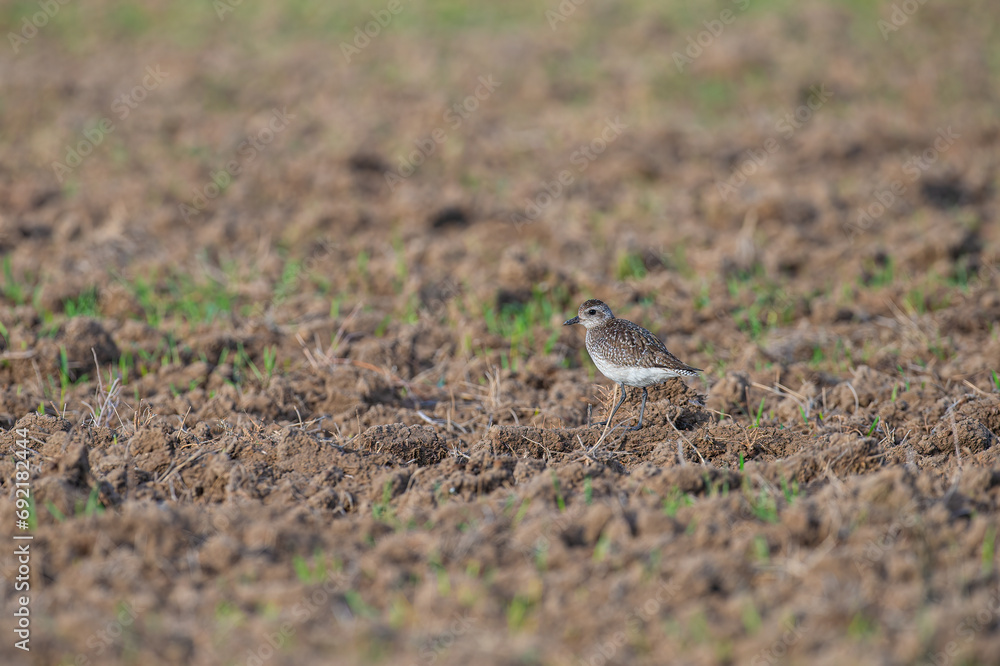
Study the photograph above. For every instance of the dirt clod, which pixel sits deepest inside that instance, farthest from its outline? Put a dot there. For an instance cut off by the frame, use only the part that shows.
(405, 444)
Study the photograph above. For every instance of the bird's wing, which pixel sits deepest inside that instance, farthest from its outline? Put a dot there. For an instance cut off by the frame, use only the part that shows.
(656, 355)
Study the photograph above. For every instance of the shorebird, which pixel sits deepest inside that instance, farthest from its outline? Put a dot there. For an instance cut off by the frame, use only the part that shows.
(626, 353)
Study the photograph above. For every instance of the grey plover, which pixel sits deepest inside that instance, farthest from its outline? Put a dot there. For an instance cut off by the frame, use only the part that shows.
(626, 353)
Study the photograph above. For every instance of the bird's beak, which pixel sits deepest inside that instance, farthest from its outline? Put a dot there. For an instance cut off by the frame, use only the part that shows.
(570, 322)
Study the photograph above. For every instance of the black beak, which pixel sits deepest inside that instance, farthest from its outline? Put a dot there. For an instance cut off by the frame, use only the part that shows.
(570, 322)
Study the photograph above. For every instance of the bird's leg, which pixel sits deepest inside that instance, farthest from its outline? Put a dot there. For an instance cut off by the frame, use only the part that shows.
(642, 408)
(616, 407)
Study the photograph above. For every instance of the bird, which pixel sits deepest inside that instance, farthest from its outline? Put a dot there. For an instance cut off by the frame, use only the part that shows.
(626, 353)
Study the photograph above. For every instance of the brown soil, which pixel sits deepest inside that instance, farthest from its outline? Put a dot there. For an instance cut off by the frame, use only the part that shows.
(409, 482)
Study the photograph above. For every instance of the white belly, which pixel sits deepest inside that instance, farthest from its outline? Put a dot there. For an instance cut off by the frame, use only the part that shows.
(633, 376)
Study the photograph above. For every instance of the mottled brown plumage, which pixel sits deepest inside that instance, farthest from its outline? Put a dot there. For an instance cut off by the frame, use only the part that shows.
(626, 352)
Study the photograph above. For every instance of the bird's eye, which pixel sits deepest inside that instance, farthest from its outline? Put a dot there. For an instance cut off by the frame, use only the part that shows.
(591, 311)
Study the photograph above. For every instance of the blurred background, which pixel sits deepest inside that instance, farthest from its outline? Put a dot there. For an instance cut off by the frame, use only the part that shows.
(715, 161)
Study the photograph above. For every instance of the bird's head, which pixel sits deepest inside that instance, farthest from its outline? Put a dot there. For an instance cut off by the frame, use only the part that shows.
(591, 313)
